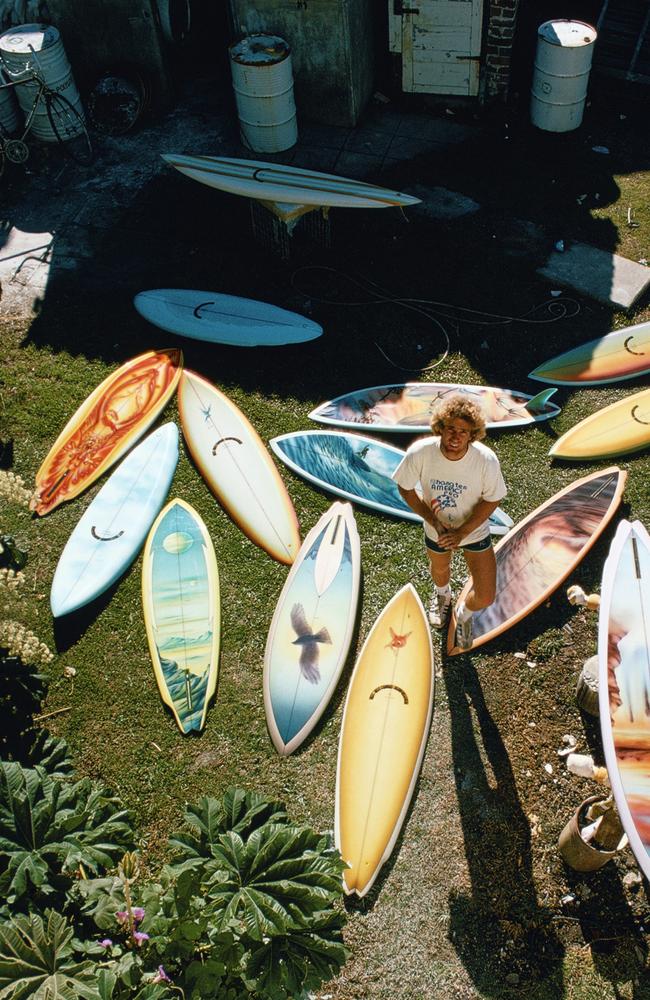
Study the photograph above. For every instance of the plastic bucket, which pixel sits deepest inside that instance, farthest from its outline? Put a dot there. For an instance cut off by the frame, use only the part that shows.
(37, 49)
(9, 113)
(561, 75)
(262, 78)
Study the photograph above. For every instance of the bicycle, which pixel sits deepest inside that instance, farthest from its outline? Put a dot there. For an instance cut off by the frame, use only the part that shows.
(65, 121)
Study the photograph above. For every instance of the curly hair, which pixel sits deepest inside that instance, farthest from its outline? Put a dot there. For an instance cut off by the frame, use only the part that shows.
(458, 408)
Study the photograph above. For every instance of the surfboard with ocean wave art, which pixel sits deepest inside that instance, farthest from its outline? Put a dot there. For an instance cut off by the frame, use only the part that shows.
(357, 468)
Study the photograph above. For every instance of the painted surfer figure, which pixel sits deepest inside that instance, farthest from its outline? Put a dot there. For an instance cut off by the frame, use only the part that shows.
(461, 485)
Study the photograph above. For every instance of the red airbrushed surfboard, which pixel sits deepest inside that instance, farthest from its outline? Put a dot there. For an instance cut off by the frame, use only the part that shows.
(106, 425)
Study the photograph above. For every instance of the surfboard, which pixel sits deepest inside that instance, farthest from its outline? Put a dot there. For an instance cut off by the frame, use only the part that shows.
(312, 628)
(112, 530)
(617, 429)
(180, 597)
(357, 468)
(542, 550)
(237, 467)
(408, 407)
(279, 182)
(624, 681)
(384, 732)
(620, 355)
(106, 425)
(223, 319)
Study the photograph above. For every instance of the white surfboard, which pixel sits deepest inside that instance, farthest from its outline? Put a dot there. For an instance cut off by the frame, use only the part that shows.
(624, 681)
(237, 467)
(114, 527)
(312, 628)
(223, 319)
(278, 182)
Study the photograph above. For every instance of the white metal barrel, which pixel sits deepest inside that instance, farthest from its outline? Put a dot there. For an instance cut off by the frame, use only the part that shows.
(37, 49)
(562, 65)
(9, 114)
(262, 78)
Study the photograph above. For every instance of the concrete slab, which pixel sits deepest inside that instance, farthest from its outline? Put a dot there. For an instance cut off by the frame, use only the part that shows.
(439, 203)
(601, 275)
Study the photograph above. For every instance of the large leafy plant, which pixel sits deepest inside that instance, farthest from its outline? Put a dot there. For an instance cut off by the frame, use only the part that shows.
(36, 958)
(246, 908)
(52, 830)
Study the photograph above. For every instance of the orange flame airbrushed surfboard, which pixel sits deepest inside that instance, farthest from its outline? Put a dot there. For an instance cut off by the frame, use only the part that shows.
(107, 424)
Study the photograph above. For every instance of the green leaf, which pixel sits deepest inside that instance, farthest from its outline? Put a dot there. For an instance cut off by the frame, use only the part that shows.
(106, 981)
(36, 961)
(51, 826)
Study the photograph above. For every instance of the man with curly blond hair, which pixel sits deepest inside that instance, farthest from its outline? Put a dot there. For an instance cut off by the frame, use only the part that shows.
(459, 484)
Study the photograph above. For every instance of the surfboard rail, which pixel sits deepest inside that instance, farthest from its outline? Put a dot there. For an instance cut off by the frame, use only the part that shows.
(600, 484)
(624, 680)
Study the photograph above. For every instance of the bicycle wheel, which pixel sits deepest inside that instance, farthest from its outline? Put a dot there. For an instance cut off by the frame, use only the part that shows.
(69, 128)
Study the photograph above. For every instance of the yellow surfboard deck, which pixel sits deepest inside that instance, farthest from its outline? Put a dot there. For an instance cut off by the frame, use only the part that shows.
(617, 429)
(383, 736)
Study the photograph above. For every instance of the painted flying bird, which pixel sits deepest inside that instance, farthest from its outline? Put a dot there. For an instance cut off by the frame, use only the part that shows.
(308, 642)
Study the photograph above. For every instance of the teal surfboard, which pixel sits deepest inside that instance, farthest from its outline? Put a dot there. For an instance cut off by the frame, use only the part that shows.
(357, 468)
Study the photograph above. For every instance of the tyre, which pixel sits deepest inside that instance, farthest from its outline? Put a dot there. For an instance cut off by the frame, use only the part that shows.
(69, 128)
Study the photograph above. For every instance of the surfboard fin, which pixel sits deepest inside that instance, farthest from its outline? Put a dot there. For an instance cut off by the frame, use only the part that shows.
(538, 402)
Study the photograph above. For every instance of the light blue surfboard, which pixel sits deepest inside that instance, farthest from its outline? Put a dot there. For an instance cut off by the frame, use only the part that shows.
(357, 468)
(312, 628)
(224, 319)
(113, 529)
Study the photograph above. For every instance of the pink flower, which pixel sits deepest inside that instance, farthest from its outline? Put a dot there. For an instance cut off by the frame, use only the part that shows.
(138, 914)
(106, 943)
(140, 937)
(161, 976)
(122, 917)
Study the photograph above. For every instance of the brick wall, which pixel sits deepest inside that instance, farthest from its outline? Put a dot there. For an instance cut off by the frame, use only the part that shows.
(500, 36)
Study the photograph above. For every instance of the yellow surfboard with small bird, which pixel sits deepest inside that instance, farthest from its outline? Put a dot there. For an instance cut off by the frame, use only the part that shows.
(617, 429)
(384, 731)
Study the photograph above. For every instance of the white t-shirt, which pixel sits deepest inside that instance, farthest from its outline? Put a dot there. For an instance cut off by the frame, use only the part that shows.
(458, 485)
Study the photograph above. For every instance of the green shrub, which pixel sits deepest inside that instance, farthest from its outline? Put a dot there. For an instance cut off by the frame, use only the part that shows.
(52, 829)
(247, 908)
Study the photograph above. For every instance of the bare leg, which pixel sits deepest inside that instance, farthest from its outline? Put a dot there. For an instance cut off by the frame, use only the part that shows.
(483, 567)
(439, 564)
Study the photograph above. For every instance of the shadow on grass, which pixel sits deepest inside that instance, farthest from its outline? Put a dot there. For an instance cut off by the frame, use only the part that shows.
(501, 933)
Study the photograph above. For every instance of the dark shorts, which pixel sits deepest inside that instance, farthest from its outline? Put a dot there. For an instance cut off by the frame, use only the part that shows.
(485, 543)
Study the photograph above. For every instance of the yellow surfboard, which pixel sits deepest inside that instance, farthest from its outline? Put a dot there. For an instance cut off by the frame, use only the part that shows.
(615, 430)
(383, 736)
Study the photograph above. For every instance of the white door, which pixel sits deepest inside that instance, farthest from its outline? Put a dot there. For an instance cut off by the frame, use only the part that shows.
(440, 42)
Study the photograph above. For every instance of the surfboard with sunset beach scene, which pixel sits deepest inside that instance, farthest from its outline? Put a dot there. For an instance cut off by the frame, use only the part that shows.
(542, 550)
(180, 598)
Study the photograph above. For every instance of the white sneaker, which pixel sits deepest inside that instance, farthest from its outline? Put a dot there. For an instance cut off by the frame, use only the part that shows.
(440, 609)
(464, 634)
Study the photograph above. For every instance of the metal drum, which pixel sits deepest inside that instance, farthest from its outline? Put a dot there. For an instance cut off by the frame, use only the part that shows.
(562, 66)
(262, 78)
(9, 115)
(37, 48)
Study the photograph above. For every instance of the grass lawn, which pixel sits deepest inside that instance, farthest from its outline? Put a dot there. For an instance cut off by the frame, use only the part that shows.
(471, 902)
